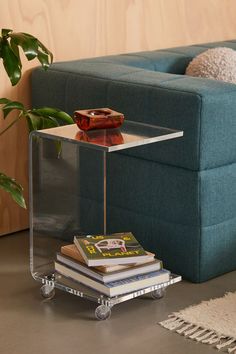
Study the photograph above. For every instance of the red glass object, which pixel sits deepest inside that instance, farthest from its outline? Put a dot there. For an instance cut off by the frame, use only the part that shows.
(98, 118)
(105, 138)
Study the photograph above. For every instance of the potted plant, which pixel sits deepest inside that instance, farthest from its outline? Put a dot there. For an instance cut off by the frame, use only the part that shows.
(40, 118)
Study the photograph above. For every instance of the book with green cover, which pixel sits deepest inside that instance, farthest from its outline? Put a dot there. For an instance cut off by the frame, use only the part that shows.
(118, 248)
(72, 251)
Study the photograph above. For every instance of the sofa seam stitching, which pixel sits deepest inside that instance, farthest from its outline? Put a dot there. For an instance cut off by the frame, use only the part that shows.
(142, 85)
(178, 53)
(161, 82)
(131, 83)
(168, 221)
(156, 217)
(199, 186)
(176, 166)
(166, 51)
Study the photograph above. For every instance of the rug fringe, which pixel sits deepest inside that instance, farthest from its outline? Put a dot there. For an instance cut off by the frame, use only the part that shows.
(202, 335)
(231, 350)
(197, 334)
(205, 336)
(183, 329)
(225, 344)
(173, 323)
(190, 331)
(167, 322)
(215, 338)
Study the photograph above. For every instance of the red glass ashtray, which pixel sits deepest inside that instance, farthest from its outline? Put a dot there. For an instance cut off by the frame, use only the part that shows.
(104, 138)
(98, 118)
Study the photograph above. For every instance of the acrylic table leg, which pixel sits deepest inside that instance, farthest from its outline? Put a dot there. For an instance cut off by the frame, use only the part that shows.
(104, 193)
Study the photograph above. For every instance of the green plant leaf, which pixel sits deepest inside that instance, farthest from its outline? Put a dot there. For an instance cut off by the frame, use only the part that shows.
(5, 32)
(10, 106)
(43, 59)
(55, 113)
(11, 63)
(28, 44)
(10, 185)
(37, 122)
(7, 108)
(0, 47)
(33, 121)
(45, 50)
(4, 100)
(14, 105)
(43, 55)
(32, 48)
(37, 118)
(6, 111)
(16, 51)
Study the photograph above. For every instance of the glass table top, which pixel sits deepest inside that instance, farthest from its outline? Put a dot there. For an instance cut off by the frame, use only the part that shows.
(130, 134)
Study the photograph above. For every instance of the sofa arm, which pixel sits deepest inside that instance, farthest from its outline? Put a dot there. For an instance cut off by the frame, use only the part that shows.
(204, 109)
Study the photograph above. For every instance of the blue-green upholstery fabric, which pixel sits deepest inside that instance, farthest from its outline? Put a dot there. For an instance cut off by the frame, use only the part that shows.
(184, 207)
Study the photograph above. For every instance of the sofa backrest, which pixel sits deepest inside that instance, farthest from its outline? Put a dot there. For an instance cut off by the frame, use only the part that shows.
(172, 60)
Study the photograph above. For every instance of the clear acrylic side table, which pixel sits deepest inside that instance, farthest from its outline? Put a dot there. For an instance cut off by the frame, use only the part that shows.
(68, 196)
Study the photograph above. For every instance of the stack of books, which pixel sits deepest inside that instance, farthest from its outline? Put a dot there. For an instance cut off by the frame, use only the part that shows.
(112, 265)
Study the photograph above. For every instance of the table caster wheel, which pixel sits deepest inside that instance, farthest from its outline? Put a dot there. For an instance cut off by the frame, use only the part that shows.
(102, 312)
(47, 291)
(158, 293)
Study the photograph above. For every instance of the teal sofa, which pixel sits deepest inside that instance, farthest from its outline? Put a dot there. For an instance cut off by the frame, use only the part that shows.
(186, 209)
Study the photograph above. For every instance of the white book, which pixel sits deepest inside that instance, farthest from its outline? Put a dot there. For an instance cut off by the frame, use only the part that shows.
(155, 265)
(119, 287)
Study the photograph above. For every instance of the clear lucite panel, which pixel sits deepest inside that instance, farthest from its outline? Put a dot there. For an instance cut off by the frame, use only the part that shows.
(66, 199)
(129, 135)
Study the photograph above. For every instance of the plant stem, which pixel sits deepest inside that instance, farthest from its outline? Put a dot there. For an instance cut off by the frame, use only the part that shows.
(9, 126)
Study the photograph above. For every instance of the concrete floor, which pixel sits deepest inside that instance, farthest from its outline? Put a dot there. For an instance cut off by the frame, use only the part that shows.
(66, 324)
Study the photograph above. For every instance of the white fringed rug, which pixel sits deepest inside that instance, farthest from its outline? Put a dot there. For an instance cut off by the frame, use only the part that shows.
(211, 322)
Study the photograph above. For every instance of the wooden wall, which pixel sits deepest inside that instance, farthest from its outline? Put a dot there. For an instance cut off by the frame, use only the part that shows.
(78, 28)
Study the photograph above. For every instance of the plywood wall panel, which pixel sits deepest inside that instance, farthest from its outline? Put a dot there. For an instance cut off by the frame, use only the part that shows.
(77, 29)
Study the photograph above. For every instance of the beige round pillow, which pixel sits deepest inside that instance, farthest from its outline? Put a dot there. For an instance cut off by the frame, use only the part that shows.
(217, 63)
